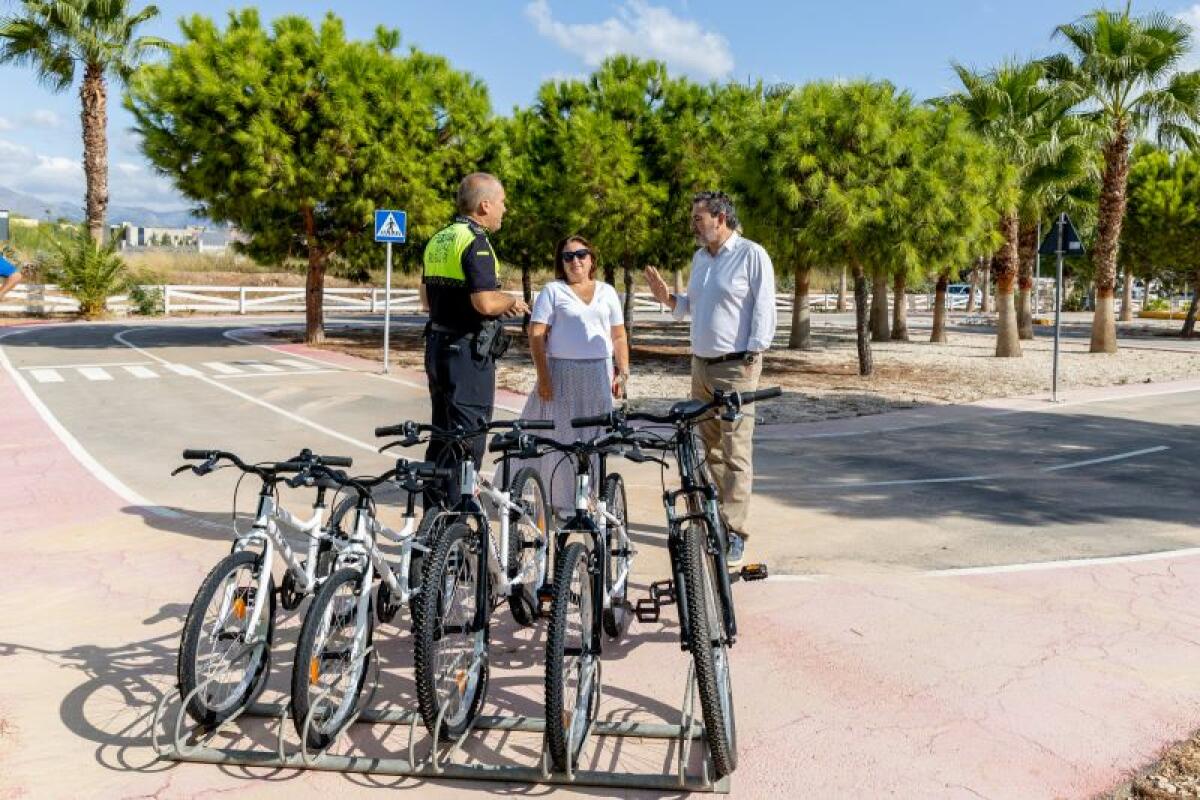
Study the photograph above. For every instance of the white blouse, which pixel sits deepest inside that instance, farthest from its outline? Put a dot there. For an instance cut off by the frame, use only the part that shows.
(578, 330)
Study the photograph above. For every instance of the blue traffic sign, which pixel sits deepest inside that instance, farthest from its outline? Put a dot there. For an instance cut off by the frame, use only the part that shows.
(390, 225)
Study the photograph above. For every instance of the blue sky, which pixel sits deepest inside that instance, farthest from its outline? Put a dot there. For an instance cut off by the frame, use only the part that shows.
(514, 45)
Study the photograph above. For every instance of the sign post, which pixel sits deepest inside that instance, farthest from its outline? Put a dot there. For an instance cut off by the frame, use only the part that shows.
(1062, 241)
(391, 226)
(4, 233)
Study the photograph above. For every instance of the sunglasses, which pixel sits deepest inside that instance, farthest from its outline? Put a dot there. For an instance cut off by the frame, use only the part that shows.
(571, 255)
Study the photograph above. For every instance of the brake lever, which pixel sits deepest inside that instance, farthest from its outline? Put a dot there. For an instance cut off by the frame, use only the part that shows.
(184, 468)
(397, 443)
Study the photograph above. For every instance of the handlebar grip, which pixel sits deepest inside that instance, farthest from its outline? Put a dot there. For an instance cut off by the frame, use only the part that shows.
(435, 473)
(761, 394)
(537, 424)
(291, 466)
(337, 461)
(591, 422)
(192, 454)
(390, 430)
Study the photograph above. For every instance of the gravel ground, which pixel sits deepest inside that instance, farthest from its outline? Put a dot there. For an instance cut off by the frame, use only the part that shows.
(1177, 775)
(823, 383)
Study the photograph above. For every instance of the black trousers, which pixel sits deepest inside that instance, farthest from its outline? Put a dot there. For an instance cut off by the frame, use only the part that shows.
(462, 389)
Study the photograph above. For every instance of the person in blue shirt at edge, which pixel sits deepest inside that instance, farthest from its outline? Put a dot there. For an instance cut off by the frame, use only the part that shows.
(731, 300)
(10, 275)
(463, 337)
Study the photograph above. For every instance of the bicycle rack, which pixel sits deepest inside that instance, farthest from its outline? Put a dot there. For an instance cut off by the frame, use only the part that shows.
(436, 763)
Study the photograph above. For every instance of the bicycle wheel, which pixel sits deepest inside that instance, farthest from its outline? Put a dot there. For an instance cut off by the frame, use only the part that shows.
(527, 489)
(330, 668)
(216, 650)
(450, 651)
(617, 616)
(572, 667)
(709, 648)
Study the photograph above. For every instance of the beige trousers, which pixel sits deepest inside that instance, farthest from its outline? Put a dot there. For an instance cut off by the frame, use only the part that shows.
(728, 446)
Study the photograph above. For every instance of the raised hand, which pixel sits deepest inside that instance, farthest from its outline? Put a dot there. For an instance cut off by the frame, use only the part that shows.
(658, 287)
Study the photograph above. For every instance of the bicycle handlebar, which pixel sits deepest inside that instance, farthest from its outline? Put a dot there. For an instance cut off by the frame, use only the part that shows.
(411, 428)
(677, 415)
(305, 460)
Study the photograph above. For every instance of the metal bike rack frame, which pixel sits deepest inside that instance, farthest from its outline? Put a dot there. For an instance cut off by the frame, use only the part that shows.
(434, 766)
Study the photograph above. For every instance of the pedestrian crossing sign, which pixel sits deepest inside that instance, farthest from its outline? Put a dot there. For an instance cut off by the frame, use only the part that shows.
(390, 225)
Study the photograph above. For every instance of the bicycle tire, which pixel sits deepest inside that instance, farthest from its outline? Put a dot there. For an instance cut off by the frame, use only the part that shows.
(570, 709)
(453, 559)
(709, 649)
(617, 616)
(527, 485)
(188, 671)
(312, 654)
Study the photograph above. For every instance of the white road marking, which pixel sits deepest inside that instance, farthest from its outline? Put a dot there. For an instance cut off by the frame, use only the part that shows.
(94, 374)
(260, 366)
(295, 363)
(184, 369)
(46, 375)
(1066, 563)
(120, 337)
(215, 366)
(994, 475)
(95, 364)
(141, 372)
(279, 375)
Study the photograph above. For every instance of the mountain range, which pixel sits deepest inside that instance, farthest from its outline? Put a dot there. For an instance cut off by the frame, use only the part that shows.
(27, 205)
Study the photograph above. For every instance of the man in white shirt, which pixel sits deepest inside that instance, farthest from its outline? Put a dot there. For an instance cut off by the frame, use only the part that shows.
(731, 299)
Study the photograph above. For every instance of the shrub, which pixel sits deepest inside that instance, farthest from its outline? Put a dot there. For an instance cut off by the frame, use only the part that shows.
(88, 272)
(146, 300)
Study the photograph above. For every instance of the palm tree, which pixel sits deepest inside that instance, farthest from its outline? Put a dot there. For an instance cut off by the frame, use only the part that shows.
(55, 37)
(1124, 71)
(1021, 113)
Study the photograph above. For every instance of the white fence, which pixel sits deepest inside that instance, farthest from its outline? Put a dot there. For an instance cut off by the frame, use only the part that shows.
(48, 299)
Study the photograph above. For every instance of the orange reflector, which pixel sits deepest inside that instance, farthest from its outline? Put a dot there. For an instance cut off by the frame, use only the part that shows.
(460, 679)
(239, 608)
(314, 670)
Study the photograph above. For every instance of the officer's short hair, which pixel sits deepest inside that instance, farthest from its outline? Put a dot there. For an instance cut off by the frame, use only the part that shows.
(719, 203)
(474, 189)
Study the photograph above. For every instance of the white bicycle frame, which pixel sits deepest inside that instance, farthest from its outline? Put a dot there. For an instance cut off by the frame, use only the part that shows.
(266, 532)
(501, 502)
(597, 508)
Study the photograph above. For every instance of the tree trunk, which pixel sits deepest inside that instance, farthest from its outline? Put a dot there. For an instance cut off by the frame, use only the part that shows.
(879, 310)
(610, 274)
(900, 308)
(939, 309)
(314, 284)
(1027, 253)
(679, 282)
(1006, 261)
(1127, 296)
(1189, 322)
(629, 301)
(985, 299)
(1108, 239)
(841, 301)
(93, 96)
(974, 288)
(865, 364)
(801, 335)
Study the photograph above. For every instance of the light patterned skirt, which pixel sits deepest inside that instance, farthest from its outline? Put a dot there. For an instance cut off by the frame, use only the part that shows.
(582, 388)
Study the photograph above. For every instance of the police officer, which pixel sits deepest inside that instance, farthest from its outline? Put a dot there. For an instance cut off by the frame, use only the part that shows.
(463, 337)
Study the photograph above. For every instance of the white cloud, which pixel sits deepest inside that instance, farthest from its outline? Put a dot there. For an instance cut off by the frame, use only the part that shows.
(42, 118)
(5, 125)
(55, 178)
(1192, 17)
(639, 29)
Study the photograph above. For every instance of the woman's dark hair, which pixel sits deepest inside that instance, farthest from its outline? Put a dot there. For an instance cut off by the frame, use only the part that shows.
(559, 271)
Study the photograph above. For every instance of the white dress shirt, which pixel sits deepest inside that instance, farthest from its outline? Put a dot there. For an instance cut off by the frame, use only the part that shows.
(731, 297)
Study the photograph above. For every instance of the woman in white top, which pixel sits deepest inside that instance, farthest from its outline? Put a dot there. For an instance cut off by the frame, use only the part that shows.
(577, 338)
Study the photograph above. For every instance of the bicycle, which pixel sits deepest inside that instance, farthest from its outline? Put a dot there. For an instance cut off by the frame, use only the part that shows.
(593, 575)
(225, 650)
(700, 585)
(469, 567)
(335, 644)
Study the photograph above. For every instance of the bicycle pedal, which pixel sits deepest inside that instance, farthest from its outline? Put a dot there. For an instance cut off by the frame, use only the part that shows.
(663, 592)
(545, 597)
(754, 572)
(647, 610)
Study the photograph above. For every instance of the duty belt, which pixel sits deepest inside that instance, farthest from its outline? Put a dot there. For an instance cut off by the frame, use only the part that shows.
(435, 327)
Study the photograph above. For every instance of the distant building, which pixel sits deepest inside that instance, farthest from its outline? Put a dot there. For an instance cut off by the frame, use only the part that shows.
(131, 236)
(215, 242)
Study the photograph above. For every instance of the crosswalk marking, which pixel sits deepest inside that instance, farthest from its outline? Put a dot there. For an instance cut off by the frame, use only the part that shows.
(296, 363)
(141, 372)
(223, 368)
(183, 369)
(260, 366)
(46, 375)
(95, 374)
